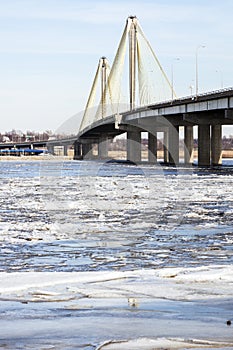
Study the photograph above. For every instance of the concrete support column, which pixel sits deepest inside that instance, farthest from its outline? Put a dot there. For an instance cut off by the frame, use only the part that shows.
(65, 150)
(77, 150)
(216, 144)
(134, 146)
(204, 145)
(87, 151)
(165, 147)
(173, 145)
(152, 148)
(188, 145)
(103, 147)
(50, 149)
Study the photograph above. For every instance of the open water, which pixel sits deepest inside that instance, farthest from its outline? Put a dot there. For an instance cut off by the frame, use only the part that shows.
(70, 217)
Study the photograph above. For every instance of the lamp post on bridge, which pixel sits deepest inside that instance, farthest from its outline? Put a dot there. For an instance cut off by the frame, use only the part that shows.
(197, 49)
(221, 77)
(172, 75)
(191, 89)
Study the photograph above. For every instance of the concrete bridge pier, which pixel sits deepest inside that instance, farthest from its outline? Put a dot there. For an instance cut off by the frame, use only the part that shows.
(216, 144)
(204, 145)
(77, 151)
(165, 147)
(87, 151)
(134, 145)
(103, 147)
(209, 145)
(50, 149)
(173, 144)
(65, 150)
(152, 148)
(188, 145)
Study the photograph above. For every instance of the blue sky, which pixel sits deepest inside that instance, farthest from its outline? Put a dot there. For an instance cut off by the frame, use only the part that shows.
(49, 51)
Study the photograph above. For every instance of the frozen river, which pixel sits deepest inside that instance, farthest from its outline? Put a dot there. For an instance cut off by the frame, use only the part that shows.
(96, 255)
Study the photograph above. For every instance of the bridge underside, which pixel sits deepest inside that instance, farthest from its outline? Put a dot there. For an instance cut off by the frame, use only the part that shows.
(209, 125)
(100, 136)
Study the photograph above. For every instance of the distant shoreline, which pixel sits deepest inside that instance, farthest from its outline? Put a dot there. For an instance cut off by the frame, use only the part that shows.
(112, 154)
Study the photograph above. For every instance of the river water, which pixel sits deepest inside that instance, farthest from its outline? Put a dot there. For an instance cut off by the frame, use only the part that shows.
(98, 255)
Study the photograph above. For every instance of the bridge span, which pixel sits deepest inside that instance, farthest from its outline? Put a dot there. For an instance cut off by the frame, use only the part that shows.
(114, 116)
(207, 111)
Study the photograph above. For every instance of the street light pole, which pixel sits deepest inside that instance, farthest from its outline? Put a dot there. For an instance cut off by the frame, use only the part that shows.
(221, 77)
(172, 76)
(191, 89)
(199, 47)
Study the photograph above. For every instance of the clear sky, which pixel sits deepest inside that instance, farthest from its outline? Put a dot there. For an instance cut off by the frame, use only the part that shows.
(49, 51)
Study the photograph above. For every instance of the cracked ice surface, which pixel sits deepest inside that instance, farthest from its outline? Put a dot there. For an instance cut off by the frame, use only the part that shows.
(97, 257)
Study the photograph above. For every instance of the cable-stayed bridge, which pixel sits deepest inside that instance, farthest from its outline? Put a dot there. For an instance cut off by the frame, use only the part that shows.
(149, 104)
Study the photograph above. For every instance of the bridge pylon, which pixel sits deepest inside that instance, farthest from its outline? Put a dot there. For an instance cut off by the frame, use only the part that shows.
(148, 82)
(104, 72)
(132, 60)
(101, 75)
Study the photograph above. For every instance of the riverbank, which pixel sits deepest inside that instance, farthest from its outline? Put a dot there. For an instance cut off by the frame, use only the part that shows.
(226, 154)
(34, 158)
